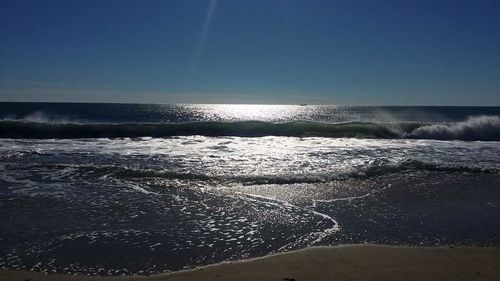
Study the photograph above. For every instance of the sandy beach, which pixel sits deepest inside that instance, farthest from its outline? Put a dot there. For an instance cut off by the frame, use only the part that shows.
(356, 262)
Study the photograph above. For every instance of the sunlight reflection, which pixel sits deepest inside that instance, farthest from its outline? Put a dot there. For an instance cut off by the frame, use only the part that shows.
(234, 112)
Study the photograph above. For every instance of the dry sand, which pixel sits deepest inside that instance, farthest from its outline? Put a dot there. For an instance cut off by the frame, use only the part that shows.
(364, 262)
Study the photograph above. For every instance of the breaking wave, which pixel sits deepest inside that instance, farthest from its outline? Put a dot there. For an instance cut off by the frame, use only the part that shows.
(371, 170)
(484, 128)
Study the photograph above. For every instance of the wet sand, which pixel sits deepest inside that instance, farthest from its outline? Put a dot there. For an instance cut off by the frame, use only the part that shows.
(357, 262)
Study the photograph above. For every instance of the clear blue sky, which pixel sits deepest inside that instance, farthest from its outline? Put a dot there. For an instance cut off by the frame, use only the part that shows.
(266, 51)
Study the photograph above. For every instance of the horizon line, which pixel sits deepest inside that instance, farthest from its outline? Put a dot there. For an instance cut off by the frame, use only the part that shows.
(288, 104)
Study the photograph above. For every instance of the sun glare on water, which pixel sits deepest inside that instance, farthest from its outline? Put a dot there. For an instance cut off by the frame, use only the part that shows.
(235, 112)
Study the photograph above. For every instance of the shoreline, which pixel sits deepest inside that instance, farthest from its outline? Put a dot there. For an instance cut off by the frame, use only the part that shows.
(348, 262)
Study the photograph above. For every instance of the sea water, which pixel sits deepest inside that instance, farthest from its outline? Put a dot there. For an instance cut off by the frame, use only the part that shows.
(111, 189)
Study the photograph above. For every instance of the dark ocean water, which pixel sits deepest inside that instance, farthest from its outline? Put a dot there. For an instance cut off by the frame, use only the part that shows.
(161, 113)
(110, 189)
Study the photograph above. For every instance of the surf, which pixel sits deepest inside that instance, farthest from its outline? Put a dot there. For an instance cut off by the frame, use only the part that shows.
(483, 128)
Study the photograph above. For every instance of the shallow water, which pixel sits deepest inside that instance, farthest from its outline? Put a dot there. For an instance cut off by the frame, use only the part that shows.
(123, 206)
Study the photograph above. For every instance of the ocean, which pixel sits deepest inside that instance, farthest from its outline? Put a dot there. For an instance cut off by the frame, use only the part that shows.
(113, 189)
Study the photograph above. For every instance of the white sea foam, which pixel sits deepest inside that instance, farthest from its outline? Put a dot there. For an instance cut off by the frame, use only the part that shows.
(474, 128)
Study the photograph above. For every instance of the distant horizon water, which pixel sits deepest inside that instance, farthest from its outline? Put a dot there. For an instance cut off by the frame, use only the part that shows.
(256, 103)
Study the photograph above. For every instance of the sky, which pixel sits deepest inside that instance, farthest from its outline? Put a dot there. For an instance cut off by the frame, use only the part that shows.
(256, 51)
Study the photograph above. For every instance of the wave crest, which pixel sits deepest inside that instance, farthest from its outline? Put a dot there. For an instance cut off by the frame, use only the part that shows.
(371, 170)
(485, 128)
(15, 129)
